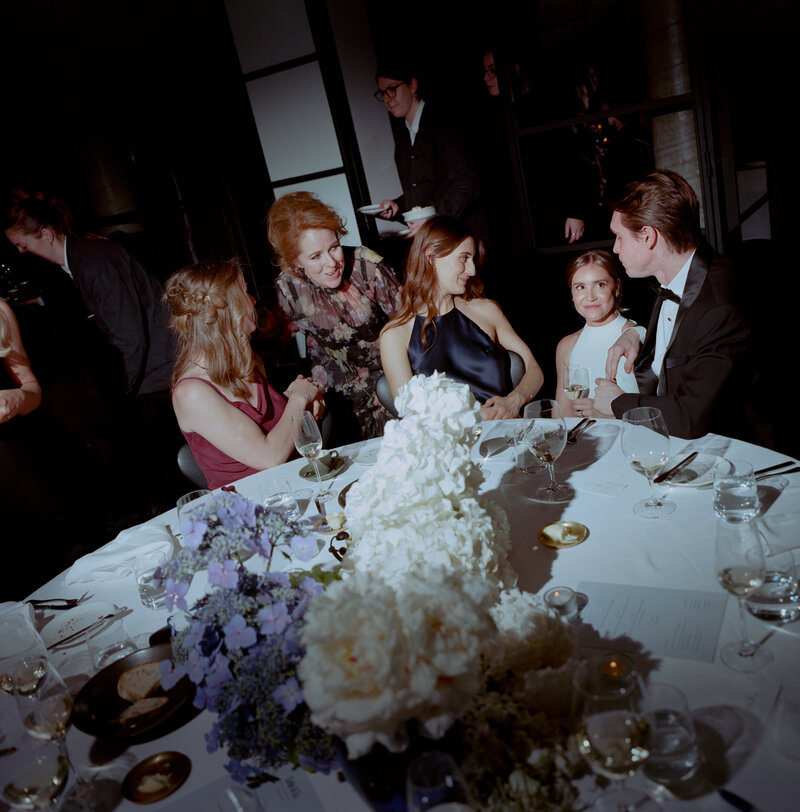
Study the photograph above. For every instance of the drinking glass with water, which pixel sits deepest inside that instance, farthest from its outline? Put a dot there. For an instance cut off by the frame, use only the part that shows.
(735, 491)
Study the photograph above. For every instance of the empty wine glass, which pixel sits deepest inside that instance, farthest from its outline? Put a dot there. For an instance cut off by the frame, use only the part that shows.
(576, 383)
(308, 442)
(23, 656)
(547, 435)
(434, 782)
(45, 715)
(613, 732)
(645, 444)
(739, 559)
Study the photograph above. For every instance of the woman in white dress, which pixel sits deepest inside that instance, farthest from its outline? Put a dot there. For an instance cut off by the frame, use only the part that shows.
(594, 281)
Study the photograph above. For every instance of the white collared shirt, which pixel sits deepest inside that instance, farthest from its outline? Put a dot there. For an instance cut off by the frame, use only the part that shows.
(413, 128)
(65, 265)
(667, 316)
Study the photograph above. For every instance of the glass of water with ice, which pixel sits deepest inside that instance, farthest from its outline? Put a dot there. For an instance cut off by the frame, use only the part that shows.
(152, 591)
(735, 491)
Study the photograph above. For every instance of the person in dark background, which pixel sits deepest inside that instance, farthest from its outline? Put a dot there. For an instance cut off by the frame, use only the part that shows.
(432, 156)
(129, 348)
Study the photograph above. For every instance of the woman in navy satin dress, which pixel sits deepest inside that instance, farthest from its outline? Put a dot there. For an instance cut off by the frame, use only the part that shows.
(445, 325)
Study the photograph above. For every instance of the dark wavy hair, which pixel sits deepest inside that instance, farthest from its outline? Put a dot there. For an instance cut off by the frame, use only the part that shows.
(437, 238)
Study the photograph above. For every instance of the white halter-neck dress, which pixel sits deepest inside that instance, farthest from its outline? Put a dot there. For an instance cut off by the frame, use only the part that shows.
(591, 350)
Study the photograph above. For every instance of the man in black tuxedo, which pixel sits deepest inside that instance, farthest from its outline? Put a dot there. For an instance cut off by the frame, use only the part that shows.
(694, 364)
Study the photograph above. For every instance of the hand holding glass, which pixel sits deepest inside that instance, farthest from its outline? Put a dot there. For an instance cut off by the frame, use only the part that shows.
(576, 382)
(645, 444)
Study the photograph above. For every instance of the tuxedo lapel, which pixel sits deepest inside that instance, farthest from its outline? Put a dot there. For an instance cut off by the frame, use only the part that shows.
(698, 271)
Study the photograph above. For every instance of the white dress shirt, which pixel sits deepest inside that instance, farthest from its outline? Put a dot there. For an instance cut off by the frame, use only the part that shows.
(667, 316)
(413, 128)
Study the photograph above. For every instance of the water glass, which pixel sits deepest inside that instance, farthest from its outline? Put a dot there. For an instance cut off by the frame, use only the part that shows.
(23, 656)
(674, 754)
(735, 491)
(283, 502)
(777, 600)
(110, 644)
(188, 500)
(434, 782)
(152, 593)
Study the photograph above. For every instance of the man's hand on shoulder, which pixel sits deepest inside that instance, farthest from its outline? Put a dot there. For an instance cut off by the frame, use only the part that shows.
(627, 345)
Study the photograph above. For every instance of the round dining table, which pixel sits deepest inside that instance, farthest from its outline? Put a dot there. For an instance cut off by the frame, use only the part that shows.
(646, 587)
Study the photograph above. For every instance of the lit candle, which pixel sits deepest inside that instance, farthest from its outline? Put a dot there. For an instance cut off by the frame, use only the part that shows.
(615, 666)
(563, 600)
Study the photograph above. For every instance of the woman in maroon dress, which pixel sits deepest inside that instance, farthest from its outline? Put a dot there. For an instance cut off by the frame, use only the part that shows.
(234, 421)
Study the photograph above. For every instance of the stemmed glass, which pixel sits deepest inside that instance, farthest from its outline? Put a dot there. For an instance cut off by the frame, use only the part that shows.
(45, 714)
(739, 559)
(547, 435)
(613, 732)
(308, 442)
(34, 776)
(645, 444)
(23, 656)
(576, 382)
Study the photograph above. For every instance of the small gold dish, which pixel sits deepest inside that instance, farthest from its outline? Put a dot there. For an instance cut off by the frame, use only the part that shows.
(156, 777)
(563, 534)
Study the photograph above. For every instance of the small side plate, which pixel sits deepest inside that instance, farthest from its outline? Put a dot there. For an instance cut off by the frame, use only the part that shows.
(156, 777)
(699, 473)
(330, 465)
(563, 534)
(72, 621)
(372, 208)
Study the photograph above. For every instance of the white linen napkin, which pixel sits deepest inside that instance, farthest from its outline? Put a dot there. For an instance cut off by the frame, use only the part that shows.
(115, 559)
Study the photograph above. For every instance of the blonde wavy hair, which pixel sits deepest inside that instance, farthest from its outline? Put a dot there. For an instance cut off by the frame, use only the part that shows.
(208, 303)
(289, 216)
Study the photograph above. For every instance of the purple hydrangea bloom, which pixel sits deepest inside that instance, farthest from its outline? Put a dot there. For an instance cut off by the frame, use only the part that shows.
(193, 531)
(223, 574)
(311, 586)
(304, 547)
(176, 593)
(274, 619)
(219, 672)
(290, 695)
(170, 674)
(239, 772)
(196, 666)
(238, 634)
(213, 738)
(278, 578)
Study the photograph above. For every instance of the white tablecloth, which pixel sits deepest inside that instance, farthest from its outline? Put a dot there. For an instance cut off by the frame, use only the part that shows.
(677, 552)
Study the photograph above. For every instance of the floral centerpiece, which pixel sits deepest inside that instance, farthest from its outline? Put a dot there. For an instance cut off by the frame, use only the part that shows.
(437, 633)
(239, 644)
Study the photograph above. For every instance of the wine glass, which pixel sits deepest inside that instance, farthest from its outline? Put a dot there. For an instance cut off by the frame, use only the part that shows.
(23, 656)
(576, 383)
(34, 776)
(645, 444)
(613, 732)
(434, 782)
(45, 715)
(547, 436)
(308, 442)
(739, 559)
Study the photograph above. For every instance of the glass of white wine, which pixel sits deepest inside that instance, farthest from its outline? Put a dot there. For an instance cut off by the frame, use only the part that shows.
(45, 715)
(34, 776)
(308, 442)
(739, 559)
(613, 735)
(23, 656)
(645, 444)
(576, 383)
(547, 435)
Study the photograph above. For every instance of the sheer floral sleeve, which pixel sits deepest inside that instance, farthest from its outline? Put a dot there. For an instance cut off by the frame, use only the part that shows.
(342, 326)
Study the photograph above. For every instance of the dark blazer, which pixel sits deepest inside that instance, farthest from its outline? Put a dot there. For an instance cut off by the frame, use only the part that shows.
(127, 305)
(438, 169)
(707, 368)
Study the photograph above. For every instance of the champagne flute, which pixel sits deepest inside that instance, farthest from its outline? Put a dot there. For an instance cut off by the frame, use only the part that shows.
(308, 442)
(645, 444)
(613, 732)
(45, 715)
(547, 436)
(739, 559)
(576, 383)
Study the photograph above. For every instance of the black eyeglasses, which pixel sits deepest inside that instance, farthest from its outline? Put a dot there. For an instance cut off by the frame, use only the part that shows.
(390, 92)
(490, 72)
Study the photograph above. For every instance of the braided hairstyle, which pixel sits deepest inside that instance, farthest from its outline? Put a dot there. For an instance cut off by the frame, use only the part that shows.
(208, 303)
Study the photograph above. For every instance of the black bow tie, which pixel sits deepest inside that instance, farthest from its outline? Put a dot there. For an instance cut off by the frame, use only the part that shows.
(665, 293)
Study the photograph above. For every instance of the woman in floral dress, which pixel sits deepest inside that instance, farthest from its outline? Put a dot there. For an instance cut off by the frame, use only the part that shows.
(339, 298)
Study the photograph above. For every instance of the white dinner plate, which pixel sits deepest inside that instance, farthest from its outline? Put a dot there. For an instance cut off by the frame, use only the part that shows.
(74, 620)
(373, 208)
(368, 453)
(698, 473)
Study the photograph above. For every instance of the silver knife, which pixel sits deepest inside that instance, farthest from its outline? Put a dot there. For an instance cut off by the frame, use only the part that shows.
(675, 468)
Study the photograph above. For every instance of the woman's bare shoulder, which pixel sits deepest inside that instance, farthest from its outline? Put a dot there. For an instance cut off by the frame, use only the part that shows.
(566, 344)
